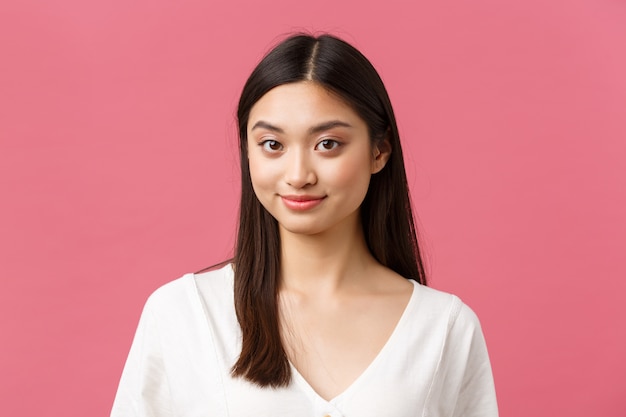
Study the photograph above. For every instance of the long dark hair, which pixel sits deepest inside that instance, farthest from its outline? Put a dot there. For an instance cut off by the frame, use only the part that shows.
(386, 213)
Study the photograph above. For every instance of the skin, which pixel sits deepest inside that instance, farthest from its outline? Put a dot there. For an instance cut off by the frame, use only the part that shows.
(311, 160)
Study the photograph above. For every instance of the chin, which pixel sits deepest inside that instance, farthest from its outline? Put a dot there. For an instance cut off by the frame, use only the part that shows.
(302, 230)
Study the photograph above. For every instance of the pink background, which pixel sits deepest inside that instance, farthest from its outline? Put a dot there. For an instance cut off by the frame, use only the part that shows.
(118, 173)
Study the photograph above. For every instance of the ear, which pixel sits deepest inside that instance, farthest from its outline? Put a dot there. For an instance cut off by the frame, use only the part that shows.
(380, 155)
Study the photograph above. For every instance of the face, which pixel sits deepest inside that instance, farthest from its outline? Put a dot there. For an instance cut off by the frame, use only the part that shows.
(310, 158)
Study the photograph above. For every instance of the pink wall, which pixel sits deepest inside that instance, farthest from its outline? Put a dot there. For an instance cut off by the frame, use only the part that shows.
(118, 172)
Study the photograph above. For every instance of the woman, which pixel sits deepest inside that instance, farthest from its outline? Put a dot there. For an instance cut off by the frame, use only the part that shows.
(323, 310)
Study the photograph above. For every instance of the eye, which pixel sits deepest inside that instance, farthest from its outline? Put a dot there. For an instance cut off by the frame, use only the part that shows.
(327, 145)
(271, 145)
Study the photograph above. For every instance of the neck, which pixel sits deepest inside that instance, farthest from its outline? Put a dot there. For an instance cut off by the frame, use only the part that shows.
(324, 262)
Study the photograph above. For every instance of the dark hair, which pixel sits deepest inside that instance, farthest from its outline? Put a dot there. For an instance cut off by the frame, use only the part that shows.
(386, 213)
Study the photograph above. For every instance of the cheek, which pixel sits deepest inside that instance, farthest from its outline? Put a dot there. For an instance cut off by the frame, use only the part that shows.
(351, 172)
(257, 177)
(262, 174)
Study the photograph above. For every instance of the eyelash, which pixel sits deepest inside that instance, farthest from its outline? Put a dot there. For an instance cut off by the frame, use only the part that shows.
(327, 141)
(267, 145)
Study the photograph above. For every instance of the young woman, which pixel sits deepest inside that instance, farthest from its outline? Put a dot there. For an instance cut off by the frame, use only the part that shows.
(323, 311)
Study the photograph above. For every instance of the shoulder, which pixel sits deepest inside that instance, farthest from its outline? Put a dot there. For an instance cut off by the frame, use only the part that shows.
(440, 306)
(215, 280)
(184, 293)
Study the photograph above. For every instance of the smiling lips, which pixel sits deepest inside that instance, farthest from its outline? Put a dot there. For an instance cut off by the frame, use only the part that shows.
(301, 202)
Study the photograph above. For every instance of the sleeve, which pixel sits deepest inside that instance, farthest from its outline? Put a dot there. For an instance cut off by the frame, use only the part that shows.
(143, 390)
(469, 367)
(463, 384)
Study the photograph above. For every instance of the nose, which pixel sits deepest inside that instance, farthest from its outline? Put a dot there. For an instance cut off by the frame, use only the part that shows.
(299, 171)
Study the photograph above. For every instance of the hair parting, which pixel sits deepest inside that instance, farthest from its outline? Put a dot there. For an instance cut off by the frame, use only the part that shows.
(311, 62)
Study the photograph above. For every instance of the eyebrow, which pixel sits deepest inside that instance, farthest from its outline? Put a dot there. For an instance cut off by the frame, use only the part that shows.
(261, 124)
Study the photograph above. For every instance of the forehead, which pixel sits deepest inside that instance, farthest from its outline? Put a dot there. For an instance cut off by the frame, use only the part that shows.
(301, 104)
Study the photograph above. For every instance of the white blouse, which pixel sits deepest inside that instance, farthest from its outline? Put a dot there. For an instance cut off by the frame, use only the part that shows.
(434, 364)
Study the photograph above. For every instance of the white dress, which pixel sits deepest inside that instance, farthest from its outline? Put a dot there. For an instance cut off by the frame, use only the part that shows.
(434, 364)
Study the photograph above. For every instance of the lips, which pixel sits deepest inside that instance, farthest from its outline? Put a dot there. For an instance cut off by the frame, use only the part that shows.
(301, 202)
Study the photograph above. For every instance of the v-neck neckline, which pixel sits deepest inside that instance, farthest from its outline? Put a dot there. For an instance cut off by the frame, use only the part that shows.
(310, 391)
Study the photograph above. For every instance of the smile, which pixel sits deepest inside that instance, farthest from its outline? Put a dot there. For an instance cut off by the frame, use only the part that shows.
(301, 202)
